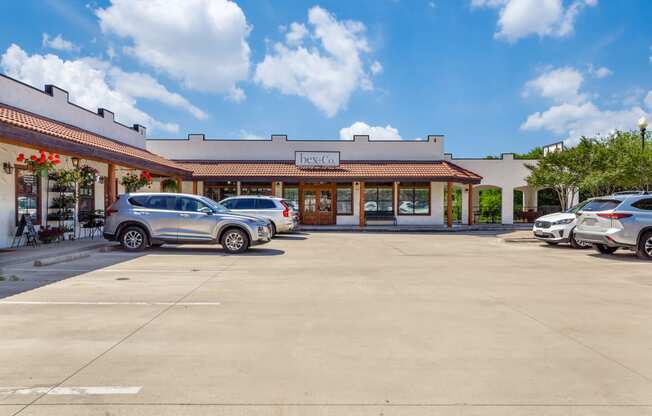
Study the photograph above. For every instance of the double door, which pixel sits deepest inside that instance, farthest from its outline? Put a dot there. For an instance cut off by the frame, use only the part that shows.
(317, 204)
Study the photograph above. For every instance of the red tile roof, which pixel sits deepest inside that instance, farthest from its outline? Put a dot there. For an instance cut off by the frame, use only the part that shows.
(412, 170)
(91, 141)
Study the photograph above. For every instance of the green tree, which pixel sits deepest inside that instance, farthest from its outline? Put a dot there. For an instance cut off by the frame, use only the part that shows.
(560, 172)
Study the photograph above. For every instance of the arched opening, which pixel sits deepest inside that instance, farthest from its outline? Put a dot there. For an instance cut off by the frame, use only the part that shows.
(548, 201)
(525, 204)
(487, 204)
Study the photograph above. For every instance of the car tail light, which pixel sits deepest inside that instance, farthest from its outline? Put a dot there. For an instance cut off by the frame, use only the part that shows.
(286, 211)
(614, 215)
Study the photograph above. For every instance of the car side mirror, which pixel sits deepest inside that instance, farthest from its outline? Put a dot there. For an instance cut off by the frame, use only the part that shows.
(206, 211)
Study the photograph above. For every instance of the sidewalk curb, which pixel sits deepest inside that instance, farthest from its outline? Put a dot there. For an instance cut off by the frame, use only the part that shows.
(44, 256)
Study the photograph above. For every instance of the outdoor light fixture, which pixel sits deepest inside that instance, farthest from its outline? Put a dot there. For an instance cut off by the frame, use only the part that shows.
(6, 166)
(75, 162)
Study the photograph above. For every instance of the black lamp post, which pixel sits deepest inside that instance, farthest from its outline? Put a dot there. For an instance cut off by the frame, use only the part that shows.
(642, 124)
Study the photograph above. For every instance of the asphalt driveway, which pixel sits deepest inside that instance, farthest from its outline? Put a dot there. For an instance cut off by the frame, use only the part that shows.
(331, 324)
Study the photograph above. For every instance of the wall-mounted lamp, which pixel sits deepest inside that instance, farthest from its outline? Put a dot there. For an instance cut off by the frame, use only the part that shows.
(75, 162)
(6, 166)
(100, 179)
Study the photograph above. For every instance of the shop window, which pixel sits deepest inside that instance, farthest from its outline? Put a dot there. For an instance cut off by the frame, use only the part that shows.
(219, 192)
(414, 199)
(291, 196)
(28, 191)
(256, 189)
(87, 199)
(379, 199)
(344, 200)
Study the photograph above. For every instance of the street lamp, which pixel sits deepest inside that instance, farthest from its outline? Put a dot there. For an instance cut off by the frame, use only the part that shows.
(642, 124)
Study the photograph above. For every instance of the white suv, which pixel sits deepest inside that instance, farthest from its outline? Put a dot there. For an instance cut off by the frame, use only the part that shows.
(560, 227)
(276, 210)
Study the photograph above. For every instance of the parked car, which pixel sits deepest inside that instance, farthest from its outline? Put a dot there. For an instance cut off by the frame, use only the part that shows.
(560, 227)
(141, 220)
(618, 221)
(279, 211)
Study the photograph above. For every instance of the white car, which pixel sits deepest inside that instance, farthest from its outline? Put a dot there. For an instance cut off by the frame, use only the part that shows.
(560, 227)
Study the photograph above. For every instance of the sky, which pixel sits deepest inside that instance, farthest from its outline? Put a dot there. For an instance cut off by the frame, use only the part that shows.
(491, 75)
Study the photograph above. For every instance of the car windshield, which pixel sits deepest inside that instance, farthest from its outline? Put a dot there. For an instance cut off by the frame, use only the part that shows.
(576, 208)
(601, 205)
(216, 206)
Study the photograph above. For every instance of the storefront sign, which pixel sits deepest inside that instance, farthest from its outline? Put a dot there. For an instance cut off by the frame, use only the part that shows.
(317, 159)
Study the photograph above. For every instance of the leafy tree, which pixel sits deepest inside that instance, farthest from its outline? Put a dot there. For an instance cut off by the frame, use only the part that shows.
(558, 171)
(490, 204)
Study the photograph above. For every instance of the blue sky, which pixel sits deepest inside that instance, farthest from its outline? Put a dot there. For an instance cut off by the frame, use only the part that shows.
(491, 75)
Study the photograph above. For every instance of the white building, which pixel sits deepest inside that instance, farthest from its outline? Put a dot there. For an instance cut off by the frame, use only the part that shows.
(356, 182)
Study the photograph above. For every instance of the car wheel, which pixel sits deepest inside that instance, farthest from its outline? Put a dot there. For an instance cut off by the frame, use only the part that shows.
(645, 246)
(602, 249)
(133, 239)
(235, 241)
(273, 230)
(577, 244)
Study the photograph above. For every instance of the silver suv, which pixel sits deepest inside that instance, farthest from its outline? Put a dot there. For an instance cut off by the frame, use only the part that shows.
(618, 221)
(277, 210)
(141, 220)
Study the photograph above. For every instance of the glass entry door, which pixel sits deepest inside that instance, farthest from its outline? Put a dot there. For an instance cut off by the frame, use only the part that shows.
(317, 204)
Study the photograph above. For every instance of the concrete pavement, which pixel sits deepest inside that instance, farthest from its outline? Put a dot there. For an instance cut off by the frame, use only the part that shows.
(332, 324)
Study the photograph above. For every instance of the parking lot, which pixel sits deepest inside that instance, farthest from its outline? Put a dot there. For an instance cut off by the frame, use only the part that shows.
(331, 324)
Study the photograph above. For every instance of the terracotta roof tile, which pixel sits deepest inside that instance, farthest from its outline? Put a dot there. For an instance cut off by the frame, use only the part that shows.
(18, 118)
(412, 170)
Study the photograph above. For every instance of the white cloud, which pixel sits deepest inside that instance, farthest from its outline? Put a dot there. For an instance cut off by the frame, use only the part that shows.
(374, 132)
(202, 43)
(560, 85)
(93, 83)
(573, 115)
(328, 71)
(600, 72)
(376, 68)
(520, 18)
(58, 43)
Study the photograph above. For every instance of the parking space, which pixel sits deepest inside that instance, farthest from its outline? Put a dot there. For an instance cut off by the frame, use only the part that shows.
(331, 324)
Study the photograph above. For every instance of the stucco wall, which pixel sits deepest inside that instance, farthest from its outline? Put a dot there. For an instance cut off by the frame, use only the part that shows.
(278, 147)
(54, 104)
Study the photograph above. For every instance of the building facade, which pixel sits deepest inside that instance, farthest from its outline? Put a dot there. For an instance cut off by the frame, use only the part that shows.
(355, 182)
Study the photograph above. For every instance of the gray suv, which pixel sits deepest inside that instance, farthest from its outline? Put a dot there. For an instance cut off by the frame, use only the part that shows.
(141, 220)
(618, 221)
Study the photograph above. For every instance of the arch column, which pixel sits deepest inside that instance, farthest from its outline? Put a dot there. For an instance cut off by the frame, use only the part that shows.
(507, 212)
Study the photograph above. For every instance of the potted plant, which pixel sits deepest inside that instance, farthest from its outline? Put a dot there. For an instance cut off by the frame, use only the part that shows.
(40, 163)
(169, 185)
(49, 234)
(133, 182)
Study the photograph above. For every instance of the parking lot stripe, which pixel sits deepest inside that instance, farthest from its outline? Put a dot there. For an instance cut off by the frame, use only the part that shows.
(71, 391)
(18, 302)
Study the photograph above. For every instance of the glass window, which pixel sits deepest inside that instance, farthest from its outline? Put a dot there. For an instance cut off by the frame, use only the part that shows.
(28, 189)
(344, 200)
(256, 189)
(379, 199)
(645, 204)
(414, 199)
(138, 201)
(244, 203)
(265, 204)
(220, 192)
(291, 196)
(192, 205)
(601, 205)
(162, 202)
(87, 199)
(309, 201)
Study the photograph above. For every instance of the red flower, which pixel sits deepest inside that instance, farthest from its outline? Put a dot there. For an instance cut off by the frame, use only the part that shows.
(43, 158)
(56, 161)
(33, 158)
(41, 151)
(51, 157)
(56, 155)
(21, 157)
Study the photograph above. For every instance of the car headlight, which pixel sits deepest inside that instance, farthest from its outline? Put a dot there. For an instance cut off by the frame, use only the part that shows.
(564, 221)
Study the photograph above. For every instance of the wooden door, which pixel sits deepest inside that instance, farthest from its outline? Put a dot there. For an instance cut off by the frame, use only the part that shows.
(317, 204)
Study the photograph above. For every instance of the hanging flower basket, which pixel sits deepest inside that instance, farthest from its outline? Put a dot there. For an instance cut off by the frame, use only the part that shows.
(133, 182)
(88, 175)
(40, 163)
(169, 185)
